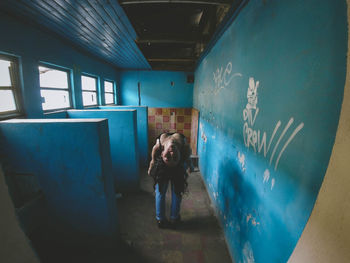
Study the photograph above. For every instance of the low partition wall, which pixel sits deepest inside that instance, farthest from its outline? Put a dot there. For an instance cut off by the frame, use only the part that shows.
(123, 144)
(71, 160)
(62, 114)
(142, 129)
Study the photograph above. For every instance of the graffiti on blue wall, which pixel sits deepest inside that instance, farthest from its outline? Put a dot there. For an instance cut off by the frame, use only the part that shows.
(255, 138)
(270, 92)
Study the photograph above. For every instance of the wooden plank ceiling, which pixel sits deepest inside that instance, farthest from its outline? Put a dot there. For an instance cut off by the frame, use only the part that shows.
(100, 27)
(131, 34)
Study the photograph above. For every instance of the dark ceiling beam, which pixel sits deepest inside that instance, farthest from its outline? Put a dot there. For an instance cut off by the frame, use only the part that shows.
(205, 2)
(166, 41)
(171, 59)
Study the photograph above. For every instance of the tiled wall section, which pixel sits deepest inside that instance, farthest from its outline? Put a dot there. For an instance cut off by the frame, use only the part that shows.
(170, 120)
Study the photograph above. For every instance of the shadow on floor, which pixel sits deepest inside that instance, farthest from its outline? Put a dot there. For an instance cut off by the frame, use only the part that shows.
(52, 252)
(198, 239)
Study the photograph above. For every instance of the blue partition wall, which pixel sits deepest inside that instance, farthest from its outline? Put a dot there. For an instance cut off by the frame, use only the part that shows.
(123, 144)
(142, 129)
(270, 92)
(71, 159)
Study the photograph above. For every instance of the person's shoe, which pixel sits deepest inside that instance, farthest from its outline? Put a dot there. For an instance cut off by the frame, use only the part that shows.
(162, 223)
(174, 223)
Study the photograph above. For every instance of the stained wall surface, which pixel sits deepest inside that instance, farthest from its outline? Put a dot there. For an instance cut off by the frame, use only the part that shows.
(71, 159)
(157, 89)
(123, 144)
(269, 94)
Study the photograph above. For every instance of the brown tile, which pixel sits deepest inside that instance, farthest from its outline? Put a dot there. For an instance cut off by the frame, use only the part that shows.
(166, 112)
(151, 111)
(188, 119)
(179, 126)
(180, 119)
(180, 111)
(159, 111)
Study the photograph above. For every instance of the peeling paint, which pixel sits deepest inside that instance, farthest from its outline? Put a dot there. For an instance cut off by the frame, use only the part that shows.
(248, 256)
(272, 183)
(252, 220)
(241, 159)
(248, 217)
(266, 176)
(204, 137)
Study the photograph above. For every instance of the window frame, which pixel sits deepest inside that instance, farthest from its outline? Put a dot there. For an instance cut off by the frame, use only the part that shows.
(85, 90)
(69, 80)
(114, 91)
(15, 88)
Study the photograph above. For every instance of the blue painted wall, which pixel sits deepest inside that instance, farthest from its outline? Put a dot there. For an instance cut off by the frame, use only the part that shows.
(123, 144)
(142, 129)
(156, 89)
(31, 44)
(280, 66)
(71, 159)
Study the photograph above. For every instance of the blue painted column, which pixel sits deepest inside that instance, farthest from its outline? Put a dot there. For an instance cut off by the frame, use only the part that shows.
(31, 88)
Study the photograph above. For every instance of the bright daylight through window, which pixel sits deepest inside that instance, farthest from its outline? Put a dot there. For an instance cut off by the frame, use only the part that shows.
(54, 88)
(89, 89)
(8, 86)
(109, 92)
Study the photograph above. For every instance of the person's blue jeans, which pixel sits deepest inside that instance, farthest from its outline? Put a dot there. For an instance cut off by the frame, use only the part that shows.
(160, 201)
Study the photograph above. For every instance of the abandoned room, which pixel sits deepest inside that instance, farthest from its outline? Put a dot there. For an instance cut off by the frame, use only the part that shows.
(241, 107)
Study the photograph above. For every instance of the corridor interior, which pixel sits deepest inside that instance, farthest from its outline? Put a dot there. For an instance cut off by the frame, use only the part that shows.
(259, 88)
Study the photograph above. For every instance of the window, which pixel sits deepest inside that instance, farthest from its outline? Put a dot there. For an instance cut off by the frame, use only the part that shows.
(89, 89)
(54, 88)
(9, 86)
(109, 92)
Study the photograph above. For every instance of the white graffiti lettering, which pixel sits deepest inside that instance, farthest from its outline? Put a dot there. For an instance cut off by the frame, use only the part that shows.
(254, 137)
(222, 77)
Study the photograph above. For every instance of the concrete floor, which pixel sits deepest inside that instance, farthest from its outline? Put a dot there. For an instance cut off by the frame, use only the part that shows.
(198, 238)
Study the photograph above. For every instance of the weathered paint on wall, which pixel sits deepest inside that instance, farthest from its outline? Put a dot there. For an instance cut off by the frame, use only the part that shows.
(269, 93)
(156, 89)
(32, 45)
(326, 237)
(71, 159)
(142, 131)
(123, 144)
